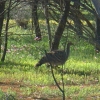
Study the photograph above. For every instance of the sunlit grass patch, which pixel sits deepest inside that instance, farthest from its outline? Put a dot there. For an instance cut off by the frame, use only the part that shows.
(82, 92)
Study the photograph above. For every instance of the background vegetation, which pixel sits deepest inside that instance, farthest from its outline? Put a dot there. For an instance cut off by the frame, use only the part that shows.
(20, 80)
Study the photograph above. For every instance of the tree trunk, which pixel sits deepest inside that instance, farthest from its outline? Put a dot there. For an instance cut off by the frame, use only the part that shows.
(97, 36)
(77, 21)
(6, 33)
(2, 7)
(98, 33)
(46, 11)
(35, 18)
(61, 26)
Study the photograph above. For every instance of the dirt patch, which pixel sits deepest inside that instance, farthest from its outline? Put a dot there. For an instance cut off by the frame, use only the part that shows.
(5, 86)
(15, 86)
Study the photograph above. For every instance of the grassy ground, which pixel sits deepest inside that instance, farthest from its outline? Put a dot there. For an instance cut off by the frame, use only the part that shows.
(20, 80)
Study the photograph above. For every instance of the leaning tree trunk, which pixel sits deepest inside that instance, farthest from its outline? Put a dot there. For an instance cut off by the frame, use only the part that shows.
(6, 33)
(61, 26)
(2, 7)
(35, 18)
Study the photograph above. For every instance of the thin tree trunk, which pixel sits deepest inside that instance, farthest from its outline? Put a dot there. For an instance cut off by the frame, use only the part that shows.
(6, 33)
(35, 19)
(61, 26)
(98, 33)
(2, 7)
(47, 22)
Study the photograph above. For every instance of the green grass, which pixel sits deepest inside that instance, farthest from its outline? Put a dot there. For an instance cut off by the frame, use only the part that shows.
(10, 95)
(82, 70)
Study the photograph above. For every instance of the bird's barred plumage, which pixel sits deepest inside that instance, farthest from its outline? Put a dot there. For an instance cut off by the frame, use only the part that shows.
(57, 57)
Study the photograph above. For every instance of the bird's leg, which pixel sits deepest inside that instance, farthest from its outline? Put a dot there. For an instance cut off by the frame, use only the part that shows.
(48, 65)
(53, 66)
(56, 67)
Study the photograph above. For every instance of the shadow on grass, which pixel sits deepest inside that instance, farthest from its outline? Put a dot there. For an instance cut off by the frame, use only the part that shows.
(13, 63)
(21, 66)
(26, 67)
(79, 72)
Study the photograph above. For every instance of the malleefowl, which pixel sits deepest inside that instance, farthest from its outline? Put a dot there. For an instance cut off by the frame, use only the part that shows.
(55, 58)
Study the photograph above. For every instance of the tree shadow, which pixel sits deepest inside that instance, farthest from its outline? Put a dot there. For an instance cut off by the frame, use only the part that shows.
(21, 66)
(77, 72)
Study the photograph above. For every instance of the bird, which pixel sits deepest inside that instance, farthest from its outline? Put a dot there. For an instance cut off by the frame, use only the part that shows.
(55, 57)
